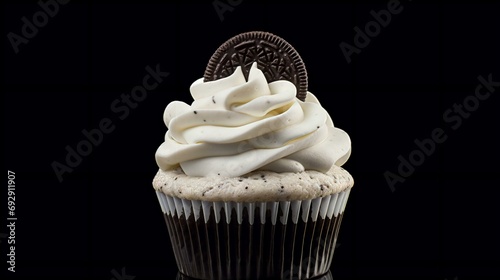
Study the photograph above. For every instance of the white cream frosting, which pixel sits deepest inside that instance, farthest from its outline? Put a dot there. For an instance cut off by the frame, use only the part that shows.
(235, 126)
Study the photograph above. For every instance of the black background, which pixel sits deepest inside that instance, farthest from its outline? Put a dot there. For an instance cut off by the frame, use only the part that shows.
(440, 223)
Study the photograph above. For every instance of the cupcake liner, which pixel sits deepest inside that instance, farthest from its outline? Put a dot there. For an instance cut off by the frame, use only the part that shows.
(254, 240)
(327, 276)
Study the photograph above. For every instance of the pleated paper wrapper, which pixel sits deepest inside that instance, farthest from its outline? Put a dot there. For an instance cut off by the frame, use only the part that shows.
(254, 240)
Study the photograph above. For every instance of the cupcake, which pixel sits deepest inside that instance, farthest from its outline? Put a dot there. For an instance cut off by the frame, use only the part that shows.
(249, 180)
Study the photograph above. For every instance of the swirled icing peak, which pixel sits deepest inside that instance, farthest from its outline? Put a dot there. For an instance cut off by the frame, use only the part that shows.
(235, 126)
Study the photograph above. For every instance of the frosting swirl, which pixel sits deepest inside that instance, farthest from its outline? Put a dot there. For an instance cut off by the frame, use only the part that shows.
(236, 126)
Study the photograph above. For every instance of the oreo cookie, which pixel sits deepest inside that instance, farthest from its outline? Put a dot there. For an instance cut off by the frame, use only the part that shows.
(277, 59)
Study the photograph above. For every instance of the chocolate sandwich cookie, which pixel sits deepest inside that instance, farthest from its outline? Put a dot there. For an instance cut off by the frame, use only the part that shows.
(277, 59)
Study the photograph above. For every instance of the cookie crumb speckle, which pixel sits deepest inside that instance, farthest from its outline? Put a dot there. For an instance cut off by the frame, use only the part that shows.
(259, 186)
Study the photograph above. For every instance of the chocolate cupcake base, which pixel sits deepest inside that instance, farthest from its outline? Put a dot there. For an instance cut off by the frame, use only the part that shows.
(268, 240)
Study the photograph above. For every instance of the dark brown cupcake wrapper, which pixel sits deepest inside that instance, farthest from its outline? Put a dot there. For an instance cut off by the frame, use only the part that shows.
(273, 240)
(327, 276)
